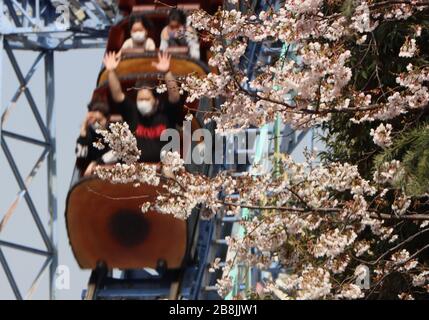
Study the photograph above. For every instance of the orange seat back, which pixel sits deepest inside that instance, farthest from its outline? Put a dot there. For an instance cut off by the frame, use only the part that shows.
(105, 223)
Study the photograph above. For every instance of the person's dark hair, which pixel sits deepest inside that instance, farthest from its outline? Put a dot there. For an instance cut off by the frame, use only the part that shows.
(99, 106)
(140, 18)
(147, 84)
(177, 15)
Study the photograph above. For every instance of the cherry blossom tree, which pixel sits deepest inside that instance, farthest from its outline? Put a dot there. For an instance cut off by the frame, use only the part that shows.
(321, 221)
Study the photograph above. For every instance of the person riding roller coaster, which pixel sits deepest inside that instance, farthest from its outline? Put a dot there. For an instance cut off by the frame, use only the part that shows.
(149, 114)
(178, 34)
(87, 155)
(139, 29)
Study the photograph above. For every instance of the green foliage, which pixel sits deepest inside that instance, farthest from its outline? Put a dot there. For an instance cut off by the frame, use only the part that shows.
(346, 141)
(375, 66)
(347, 8)
(412, 149)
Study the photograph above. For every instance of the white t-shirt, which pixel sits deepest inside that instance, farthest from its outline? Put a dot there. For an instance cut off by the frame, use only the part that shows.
(149, 44)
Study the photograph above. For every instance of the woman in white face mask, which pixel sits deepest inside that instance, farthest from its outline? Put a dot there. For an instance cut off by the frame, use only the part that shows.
(148, 114)
(146, 102)
(139, 26)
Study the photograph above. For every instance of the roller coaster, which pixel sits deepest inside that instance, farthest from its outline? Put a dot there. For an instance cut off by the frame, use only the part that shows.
(161, 256)
(154, 256)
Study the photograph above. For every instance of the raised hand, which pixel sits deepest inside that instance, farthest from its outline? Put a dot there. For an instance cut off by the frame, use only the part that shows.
(86, 122)
(163, 64)
(111, 60)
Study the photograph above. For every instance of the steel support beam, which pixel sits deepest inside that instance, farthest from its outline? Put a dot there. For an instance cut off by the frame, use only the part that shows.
(30, 25)
(9, 276)
(47, 153)
(52, 163)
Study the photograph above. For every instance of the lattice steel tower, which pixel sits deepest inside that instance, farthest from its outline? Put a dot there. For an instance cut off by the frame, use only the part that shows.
(44, 27)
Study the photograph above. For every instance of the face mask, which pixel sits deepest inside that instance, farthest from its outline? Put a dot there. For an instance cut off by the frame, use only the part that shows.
(138, 36)
(177, 33)
(172, 34)
(145, 107)
(95, 126)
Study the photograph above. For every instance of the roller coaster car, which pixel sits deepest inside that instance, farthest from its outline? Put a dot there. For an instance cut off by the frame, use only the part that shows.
(104, 220)
(105, 224)
(158, 15)
(127, 6)
(136, 64)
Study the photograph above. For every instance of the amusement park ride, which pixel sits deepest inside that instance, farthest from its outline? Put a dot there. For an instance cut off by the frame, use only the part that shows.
(158, 256)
